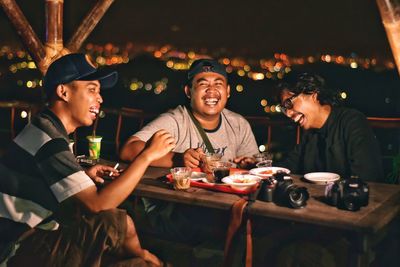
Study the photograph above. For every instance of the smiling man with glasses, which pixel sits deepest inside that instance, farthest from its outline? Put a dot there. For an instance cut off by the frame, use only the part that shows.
(336, 139)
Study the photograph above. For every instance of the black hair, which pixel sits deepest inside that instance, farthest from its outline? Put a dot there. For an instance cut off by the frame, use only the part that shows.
(309, 83)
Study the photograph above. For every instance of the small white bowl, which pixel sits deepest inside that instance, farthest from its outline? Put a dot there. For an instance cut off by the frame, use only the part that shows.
(241, 181)
(265, 172)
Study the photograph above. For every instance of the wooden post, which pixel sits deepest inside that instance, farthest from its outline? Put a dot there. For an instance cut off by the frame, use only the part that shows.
(54, 48)
(25, 31)
(88, 24)
(54, 32)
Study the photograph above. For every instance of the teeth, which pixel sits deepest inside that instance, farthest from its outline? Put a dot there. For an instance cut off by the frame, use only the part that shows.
(211, 101)
(298, 118)
(94, 110)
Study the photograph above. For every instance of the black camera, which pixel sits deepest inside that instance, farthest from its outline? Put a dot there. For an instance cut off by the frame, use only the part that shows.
(281, 189)
(348, 194)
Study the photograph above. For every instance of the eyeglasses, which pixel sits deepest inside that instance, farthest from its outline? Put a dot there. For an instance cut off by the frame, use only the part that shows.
(287, 104)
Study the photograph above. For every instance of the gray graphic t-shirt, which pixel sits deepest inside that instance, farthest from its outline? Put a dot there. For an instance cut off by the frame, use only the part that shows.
(233, 138)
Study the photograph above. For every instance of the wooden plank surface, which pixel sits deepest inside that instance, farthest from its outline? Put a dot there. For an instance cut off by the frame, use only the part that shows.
(384, 203)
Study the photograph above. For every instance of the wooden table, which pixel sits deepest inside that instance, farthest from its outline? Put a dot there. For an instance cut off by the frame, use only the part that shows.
(365, 224)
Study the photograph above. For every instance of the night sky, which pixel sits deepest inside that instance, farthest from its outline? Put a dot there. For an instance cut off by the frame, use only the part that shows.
(255, 28)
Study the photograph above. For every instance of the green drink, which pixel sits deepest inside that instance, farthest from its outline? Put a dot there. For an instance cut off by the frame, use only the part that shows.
(94, 146)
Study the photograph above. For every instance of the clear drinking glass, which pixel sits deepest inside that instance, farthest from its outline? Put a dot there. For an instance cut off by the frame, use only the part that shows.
(181, 177)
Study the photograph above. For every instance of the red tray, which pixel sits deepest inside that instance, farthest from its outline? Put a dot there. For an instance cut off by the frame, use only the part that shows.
(217, 187)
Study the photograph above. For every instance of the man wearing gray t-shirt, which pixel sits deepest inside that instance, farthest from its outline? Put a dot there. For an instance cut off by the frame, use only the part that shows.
(229, 133)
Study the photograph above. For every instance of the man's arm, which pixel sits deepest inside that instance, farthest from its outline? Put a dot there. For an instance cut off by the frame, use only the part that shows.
(134, 146)
(118, 190)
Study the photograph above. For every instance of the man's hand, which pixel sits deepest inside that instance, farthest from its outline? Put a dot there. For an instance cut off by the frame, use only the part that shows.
(98, 171)
(245, 162)
(192, 157)
(160, 144)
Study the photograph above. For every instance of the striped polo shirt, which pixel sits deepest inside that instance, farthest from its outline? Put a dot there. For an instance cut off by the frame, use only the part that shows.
(38, 172)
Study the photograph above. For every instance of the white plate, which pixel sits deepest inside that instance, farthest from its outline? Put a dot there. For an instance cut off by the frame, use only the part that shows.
(266, 172)
(236, 181)
(321, 177)
(198, 176)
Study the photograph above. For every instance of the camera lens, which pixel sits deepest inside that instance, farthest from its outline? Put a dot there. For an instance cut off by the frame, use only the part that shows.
(351, 202)
(297, 196)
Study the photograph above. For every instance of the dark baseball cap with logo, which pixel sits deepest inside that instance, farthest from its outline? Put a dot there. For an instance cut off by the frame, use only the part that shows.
(205, 65)
(75, 67)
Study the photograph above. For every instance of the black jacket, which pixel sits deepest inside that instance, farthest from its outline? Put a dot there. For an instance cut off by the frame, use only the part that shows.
(345, 145)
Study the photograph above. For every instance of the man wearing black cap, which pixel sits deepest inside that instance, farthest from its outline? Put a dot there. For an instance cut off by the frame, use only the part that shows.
(229, 134)
(42, 185)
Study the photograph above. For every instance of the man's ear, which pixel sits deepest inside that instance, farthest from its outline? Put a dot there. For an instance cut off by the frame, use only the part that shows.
(187, 91)
(62, 92)
(314, 97)
(228, 91)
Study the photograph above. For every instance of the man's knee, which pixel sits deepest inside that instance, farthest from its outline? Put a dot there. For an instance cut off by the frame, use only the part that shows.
(130, 227)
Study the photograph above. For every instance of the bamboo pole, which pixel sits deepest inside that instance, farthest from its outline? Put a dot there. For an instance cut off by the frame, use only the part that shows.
(25, 31)
(88, 24)
(390, 15)
(54, 46)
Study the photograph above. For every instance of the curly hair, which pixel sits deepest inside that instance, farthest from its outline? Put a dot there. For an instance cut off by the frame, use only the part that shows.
(307, 83)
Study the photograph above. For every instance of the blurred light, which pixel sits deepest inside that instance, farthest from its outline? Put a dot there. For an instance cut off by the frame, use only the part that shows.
(267, 109)
(13, 68)
(258, 76)
(191, 55)
(278, 108)
(24, 114)
(170, 63)
(246, 68)
(328, 58)
(31, 65)
(148, 86)
(261, 148)
(20, 83)
(339, 59)
(239, 88)
(100, 60)
(273, 108)
(226, 61)
(353, 65)
(241, 73)
(29, 84)
(134, 86)
(157, 54)
(343, 95)
(264, 102)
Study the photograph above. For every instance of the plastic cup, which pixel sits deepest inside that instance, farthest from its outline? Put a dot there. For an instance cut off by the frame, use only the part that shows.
(181, 177)
(208, 161)
(262, 156)
(94, 146)
(207, 165)
(221, 170)
(264, 163)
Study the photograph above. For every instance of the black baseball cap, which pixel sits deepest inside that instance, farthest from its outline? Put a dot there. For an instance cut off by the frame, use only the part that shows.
(74, 67)
(205, 65)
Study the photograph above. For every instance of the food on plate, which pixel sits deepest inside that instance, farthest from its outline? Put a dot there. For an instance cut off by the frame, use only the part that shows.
(267, 172)
(242, 179)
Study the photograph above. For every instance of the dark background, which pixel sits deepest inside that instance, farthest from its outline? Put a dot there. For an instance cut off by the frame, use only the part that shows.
(245, 28)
